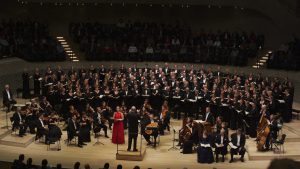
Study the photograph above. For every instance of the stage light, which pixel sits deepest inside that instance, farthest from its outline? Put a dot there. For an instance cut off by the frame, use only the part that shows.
(136, 5)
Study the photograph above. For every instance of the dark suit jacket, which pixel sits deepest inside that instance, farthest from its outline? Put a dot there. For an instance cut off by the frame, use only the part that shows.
(5, 96)
(133, 124)
(234, 139)
(225, 140)
(71, 129)
(17, 119)
(210, 118)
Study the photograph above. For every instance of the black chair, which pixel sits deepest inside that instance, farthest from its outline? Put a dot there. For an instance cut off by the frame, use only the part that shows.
(68, 141)
(53, 141)
(54, 136)
(279, 144)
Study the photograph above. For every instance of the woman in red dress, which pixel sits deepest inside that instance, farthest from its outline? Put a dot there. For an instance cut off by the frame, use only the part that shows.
(118, 128)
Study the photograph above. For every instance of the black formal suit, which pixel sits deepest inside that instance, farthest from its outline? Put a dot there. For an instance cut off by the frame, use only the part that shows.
(144, 122)
(41, 130)
(221, 150)
(133, 124)
(240, 148)
(72, 130)
(36, 84)
(287, 114)
(209, 118)
(127, 97)
(98, 125)
(19, 122)
(176, 104)
(6, 100)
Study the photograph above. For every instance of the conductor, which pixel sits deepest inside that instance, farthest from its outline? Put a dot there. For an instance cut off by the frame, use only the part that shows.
(133, 125)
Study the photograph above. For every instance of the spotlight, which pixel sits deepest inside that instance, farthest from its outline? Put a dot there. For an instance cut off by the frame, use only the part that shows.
(136, 5)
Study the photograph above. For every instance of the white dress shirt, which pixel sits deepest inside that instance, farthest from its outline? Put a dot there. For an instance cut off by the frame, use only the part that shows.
(238, 142)
(8, 95)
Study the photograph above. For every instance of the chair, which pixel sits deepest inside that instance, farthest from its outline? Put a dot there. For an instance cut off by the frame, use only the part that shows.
(279, 144)
(68, 141)
(54, 136)
(297, 112)
(53, 141)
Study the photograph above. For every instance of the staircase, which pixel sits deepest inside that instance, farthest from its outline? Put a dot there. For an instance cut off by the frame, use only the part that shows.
(262, 59)
(71, 54)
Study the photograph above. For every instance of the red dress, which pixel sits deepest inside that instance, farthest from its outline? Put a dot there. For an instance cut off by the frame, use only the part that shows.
(118, 130)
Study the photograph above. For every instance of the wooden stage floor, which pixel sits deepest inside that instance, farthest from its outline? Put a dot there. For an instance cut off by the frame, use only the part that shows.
(158, 158)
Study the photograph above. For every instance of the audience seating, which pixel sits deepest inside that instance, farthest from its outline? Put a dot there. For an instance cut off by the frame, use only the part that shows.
(137, 41)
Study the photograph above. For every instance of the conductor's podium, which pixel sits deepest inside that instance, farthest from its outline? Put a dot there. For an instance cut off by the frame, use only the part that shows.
(130, 155)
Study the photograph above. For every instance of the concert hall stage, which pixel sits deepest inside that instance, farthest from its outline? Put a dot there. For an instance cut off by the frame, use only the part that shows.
(160, 157)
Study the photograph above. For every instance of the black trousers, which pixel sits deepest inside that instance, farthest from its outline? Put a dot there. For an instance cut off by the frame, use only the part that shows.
(240, 150)
(98, 128)
(8, 104)
(130, 138)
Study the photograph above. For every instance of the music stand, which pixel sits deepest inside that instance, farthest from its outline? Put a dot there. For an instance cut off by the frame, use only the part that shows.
(173, 147)
(98, 142)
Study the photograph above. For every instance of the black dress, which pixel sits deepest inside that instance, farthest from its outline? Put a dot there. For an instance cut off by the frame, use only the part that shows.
(205, 154)
(85, 128)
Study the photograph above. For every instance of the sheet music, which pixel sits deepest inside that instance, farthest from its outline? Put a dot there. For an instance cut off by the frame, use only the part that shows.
(219, 145)
(191, 100)
(205, 145)
(200, 121)
(232, 146)
(281, 101)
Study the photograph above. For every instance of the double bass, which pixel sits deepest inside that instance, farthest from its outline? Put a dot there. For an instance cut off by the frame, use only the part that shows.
(263, 131)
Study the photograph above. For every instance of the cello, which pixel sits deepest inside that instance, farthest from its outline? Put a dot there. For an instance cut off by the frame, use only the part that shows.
(263, 131)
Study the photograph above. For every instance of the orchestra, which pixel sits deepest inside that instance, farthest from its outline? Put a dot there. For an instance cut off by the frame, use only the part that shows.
(212, 104)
